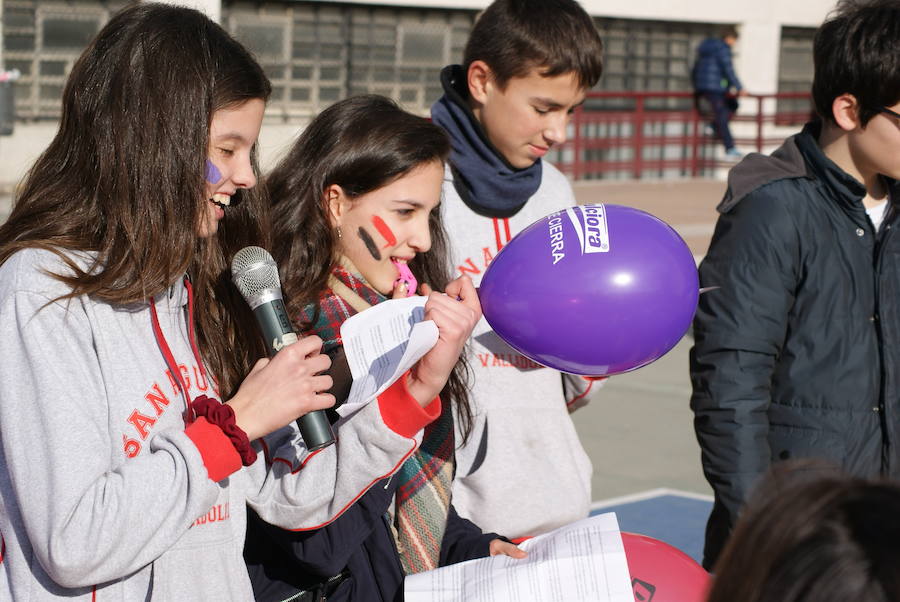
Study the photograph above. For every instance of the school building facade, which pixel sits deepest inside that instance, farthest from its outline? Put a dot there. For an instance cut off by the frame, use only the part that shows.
(316, 52)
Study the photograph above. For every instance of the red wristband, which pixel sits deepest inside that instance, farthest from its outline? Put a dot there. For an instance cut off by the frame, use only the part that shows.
(222, 416)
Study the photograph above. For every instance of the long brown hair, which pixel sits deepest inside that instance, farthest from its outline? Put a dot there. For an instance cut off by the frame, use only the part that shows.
(124, 175)
(361, 144)
(811, 534)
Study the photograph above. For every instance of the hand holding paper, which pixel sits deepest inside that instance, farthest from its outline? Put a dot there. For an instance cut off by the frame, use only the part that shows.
(584, 561)
(381, 344)
(424, 335)
(455, 315)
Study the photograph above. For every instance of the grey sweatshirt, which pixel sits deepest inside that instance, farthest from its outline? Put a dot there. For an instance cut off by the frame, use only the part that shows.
(105, 494)
(524, 453)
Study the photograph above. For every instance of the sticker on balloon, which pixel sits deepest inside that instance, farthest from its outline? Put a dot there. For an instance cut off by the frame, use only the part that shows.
(589, 222)
(557, 244)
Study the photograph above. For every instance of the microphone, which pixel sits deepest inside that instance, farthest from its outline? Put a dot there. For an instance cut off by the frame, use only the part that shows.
(254, 272)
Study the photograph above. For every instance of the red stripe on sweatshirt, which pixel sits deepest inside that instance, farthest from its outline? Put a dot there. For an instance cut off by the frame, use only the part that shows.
(351, 502)
(586, 391)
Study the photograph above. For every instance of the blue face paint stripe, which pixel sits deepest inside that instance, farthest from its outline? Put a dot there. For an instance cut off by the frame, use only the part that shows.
(213, 175)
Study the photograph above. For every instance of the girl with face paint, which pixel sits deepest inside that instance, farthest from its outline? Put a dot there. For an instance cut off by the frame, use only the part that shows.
(124, 477)
(356, 222)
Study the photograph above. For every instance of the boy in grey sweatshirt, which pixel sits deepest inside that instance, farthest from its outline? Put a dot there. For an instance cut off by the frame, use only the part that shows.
(527, 65)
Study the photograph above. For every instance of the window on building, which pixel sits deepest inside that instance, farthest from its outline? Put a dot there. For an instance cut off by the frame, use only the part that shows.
(316, 53)
(650, 56)
(795, 73)
(640, 56)
(42, 39)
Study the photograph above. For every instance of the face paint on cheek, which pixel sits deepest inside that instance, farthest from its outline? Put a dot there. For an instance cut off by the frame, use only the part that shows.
(213, 175)
(370, 244)
(385, 232)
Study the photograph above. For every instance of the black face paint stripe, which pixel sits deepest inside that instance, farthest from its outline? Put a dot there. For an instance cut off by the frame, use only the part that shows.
(370, 243)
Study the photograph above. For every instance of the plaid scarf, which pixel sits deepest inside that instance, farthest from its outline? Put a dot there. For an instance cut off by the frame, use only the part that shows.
(330, 311)
(422, 500)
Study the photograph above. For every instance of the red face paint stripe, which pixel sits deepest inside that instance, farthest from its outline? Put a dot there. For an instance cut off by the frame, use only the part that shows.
(385, 232)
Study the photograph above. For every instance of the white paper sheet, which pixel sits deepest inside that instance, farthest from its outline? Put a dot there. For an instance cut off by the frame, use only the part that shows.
(381, 343)
(583, 561)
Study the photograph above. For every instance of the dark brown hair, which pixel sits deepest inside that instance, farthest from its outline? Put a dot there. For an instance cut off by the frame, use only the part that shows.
(555, 37)
(856, 52)
(124, 175)
(728, 31)
(361, 144)
(814, 537)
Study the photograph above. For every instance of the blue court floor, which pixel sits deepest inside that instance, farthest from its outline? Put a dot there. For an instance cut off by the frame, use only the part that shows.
(675, 517)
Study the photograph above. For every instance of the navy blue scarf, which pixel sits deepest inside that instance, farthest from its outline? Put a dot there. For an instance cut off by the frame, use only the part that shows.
(485, 181)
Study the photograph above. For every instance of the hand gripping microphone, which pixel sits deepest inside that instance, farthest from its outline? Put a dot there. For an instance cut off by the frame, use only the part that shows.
(256, 276)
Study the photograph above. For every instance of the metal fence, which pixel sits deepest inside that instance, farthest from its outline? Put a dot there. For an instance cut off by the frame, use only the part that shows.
(617, 135)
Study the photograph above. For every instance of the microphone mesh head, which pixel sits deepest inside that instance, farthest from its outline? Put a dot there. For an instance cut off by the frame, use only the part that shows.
(254, 271)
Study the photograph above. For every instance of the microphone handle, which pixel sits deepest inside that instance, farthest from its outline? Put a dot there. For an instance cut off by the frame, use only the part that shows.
(315, 428)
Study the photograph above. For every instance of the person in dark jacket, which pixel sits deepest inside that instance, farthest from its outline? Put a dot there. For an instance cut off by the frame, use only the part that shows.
(714, 78)
(356, 222)
(797, 353)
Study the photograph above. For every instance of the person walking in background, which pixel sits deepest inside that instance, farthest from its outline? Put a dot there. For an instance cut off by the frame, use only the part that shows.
(796, 351)
(526, 66)
(714, 79)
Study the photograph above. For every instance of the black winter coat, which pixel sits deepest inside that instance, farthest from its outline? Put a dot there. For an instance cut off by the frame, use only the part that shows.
(797, 355)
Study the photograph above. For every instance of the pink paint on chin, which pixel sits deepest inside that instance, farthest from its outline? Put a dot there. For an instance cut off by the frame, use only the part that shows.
(406, 275)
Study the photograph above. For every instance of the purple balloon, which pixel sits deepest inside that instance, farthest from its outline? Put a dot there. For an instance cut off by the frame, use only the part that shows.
(592, 290)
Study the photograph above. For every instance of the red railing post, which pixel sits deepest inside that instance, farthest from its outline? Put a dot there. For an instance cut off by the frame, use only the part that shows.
(576, 143)
(695, 142)
(638, 134)
(759, 123)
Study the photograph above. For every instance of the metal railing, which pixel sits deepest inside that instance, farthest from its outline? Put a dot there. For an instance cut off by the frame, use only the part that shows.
(663, 134)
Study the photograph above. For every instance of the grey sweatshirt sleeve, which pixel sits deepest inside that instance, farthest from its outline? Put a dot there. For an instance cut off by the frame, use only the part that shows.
(85, 521)
(298, 490)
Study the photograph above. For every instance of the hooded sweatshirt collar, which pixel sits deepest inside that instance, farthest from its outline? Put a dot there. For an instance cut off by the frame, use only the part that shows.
(799, 157)
(484, 179)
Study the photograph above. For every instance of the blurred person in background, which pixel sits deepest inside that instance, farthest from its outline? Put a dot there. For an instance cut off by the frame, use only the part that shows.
(716, 84)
